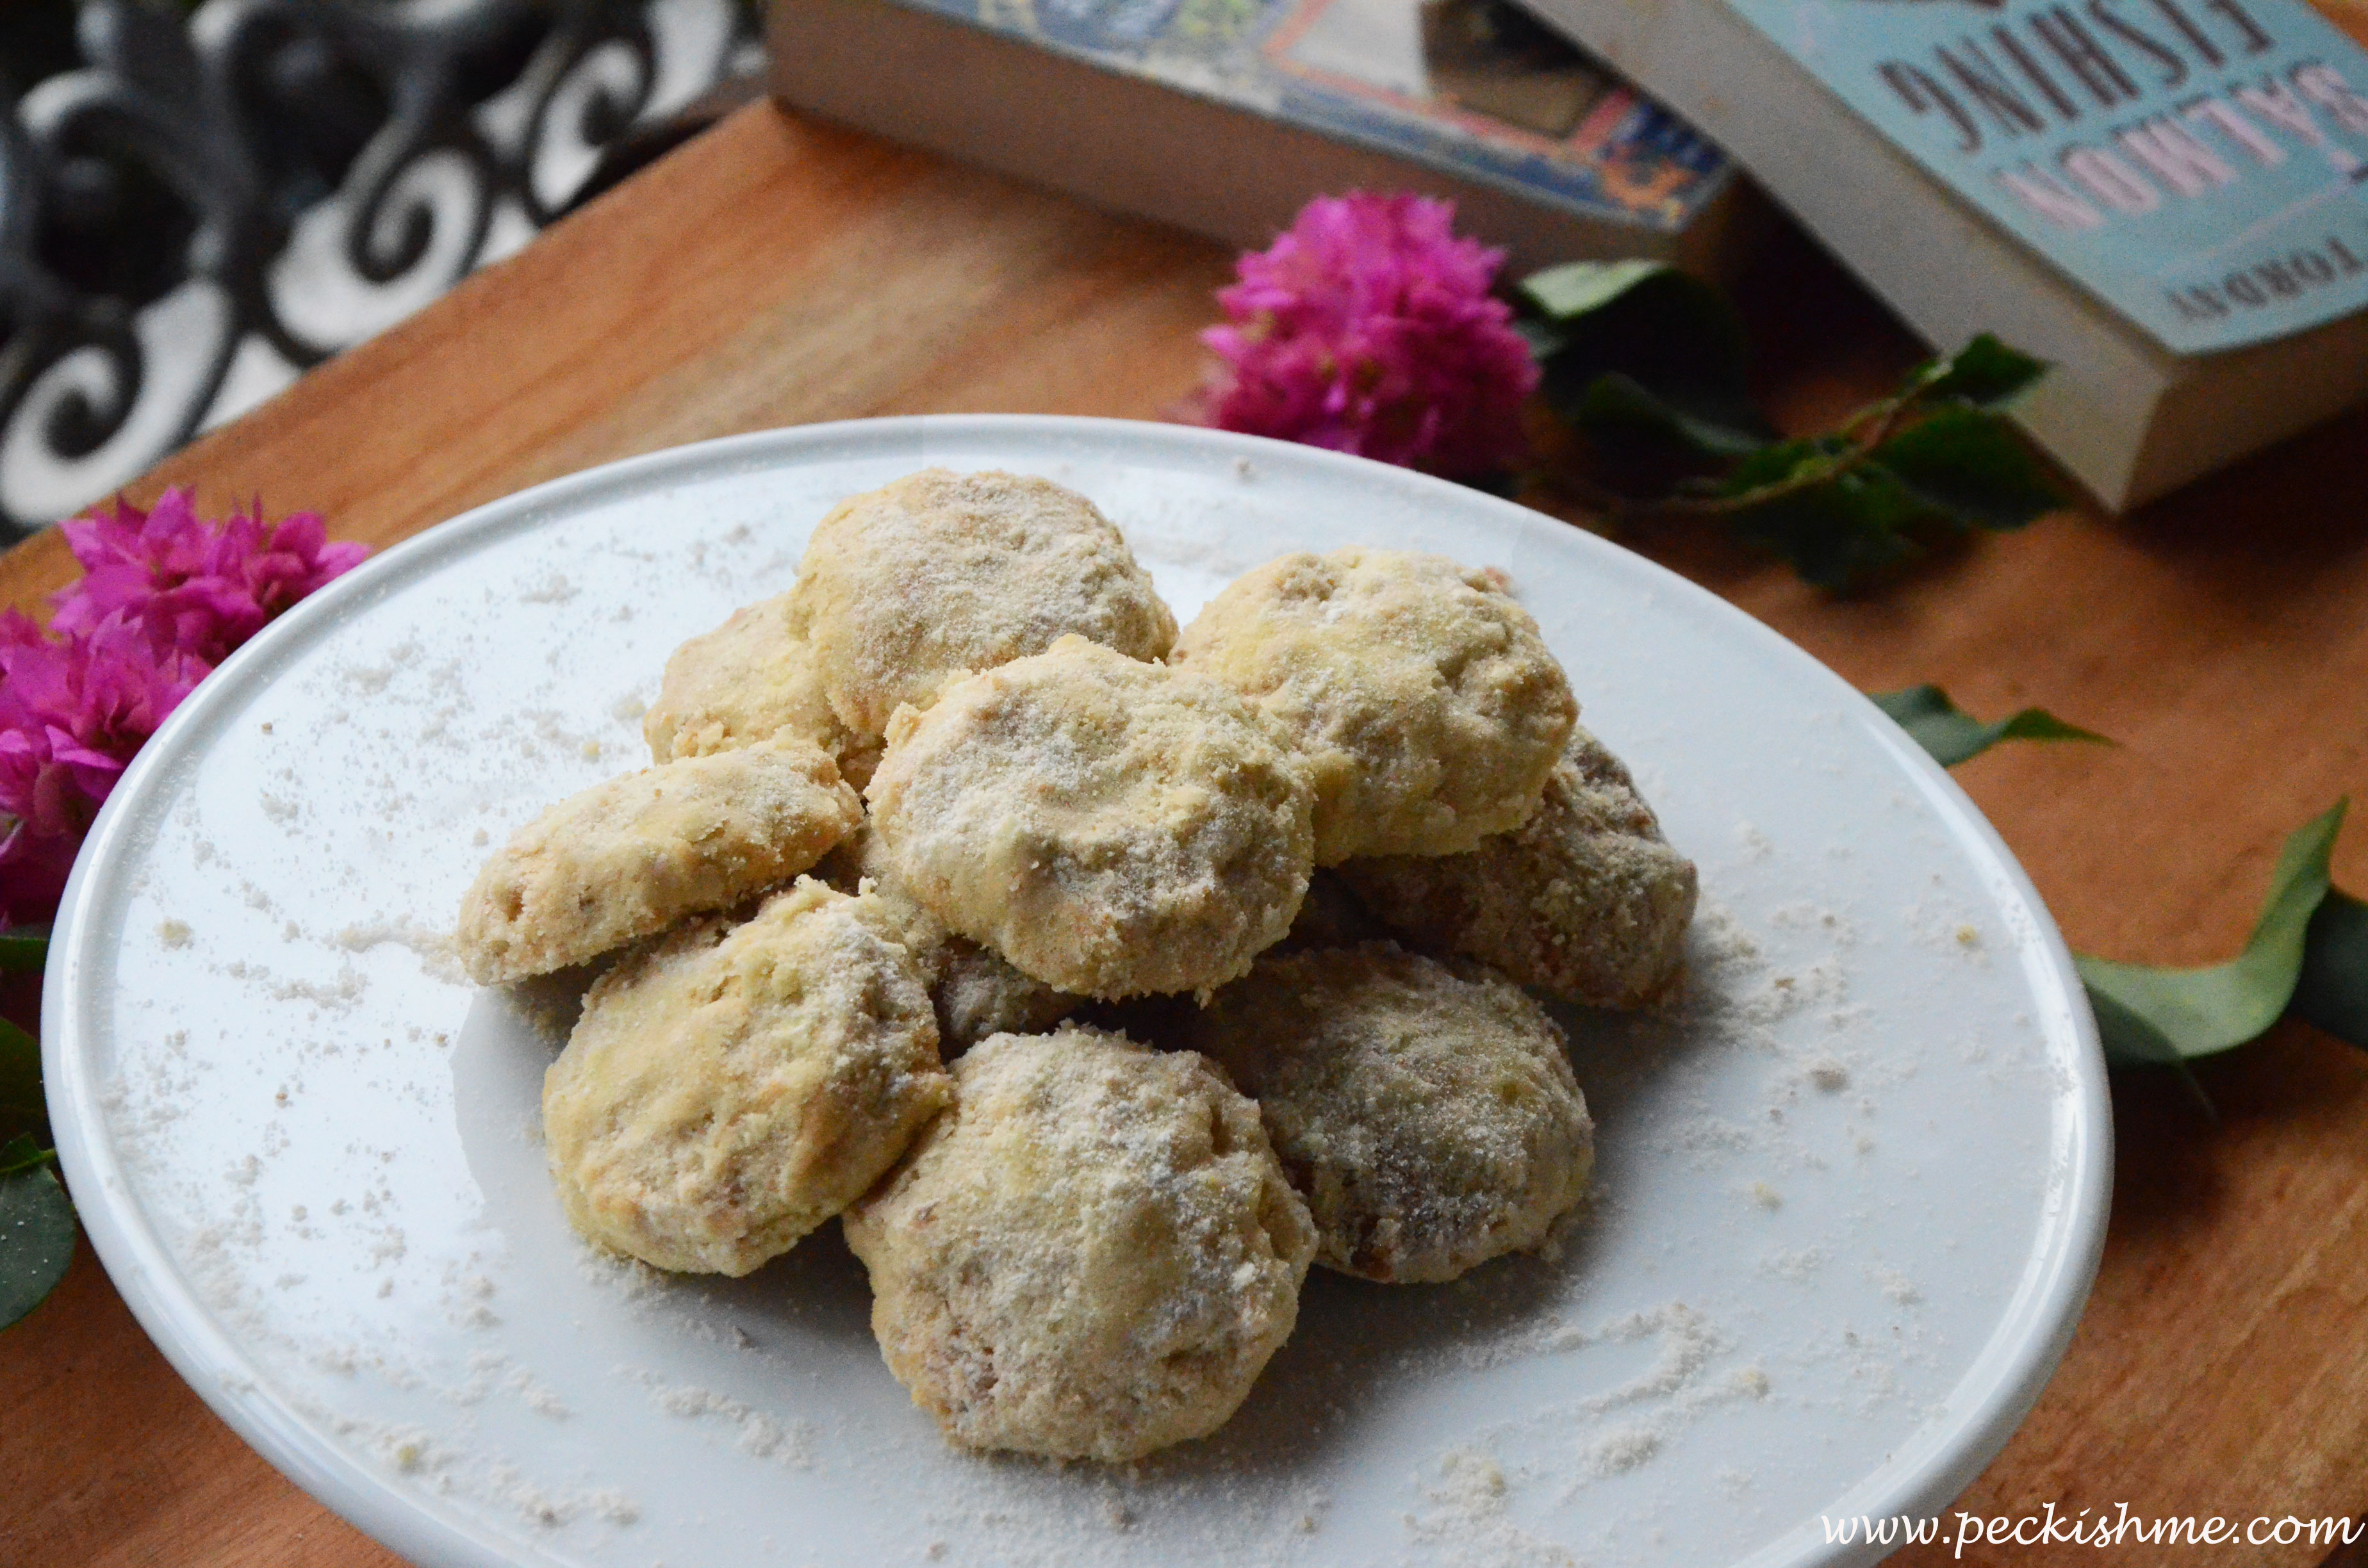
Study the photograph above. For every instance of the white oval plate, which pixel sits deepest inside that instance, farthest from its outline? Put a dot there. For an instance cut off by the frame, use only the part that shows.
(1850, 1201)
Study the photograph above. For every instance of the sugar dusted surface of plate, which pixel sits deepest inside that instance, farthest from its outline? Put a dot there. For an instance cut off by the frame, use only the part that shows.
(1850, 1189)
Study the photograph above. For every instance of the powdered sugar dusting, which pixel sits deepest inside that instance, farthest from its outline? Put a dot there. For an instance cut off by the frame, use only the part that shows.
(333, 1141)
(756, 1433)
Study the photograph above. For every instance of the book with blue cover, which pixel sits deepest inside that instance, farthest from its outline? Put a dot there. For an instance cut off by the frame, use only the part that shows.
(2168, 198)
(2197, 165)
(1225, 115)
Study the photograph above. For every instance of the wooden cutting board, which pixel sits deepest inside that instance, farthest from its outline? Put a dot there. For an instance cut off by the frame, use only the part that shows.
(777, 272)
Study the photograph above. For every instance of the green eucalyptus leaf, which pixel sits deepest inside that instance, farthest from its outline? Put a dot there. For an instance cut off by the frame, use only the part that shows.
(23, 1153)
(1544, 339)
(1668, 334)
(1834, 532)
(2201, 1012)
(1781, 462)
(1984, 372)
(2332, 991)
(2128, 1038)
(1953, 735)
(1573, 289)
(1969, 467)
(22, 1107)
(36, 1230)
(24, 948)
(1616, 411)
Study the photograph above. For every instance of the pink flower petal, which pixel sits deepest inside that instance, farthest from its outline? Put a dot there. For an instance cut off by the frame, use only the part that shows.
(164, 596)
(1368, 327)
(206, 587)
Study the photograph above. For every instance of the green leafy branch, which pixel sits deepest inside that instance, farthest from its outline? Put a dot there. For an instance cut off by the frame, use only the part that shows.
(2307, 955)
(37, 1218)
(1953, 735)
(1647, 366)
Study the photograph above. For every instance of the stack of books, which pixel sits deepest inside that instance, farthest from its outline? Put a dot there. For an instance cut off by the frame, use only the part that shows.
(2167, 198)
(1226, 116)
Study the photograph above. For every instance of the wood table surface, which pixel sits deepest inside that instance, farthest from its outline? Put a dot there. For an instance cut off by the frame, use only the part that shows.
(777, 272)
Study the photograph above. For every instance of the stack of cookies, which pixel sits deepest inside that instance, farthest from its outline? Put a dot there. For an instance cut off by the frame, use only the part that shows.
(1226, 935)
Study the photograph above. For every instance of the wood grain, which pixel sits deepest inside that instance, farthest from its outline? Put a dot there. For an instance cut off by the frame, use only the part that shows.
(775, 272)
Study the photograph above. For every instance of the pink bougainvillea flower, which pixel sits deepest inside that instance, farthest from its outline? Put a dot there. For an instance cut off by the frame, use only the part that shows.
(207, 587)
(164, 596)
(33, 871)
(1368, 327)
(73, 712)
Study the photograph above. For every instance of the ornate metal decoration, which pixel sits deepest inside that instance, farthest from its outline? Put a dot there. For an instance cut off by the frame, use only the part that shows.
(207, 210)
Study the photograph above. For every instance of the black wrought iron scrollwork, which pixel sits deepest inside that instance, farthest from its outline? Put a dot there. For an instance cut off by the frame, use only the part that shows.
(206, 208)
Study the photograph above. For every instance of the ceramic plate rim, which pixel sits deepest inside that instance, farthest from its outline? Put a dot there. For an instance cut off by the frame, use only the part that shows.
(2006, 1376)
